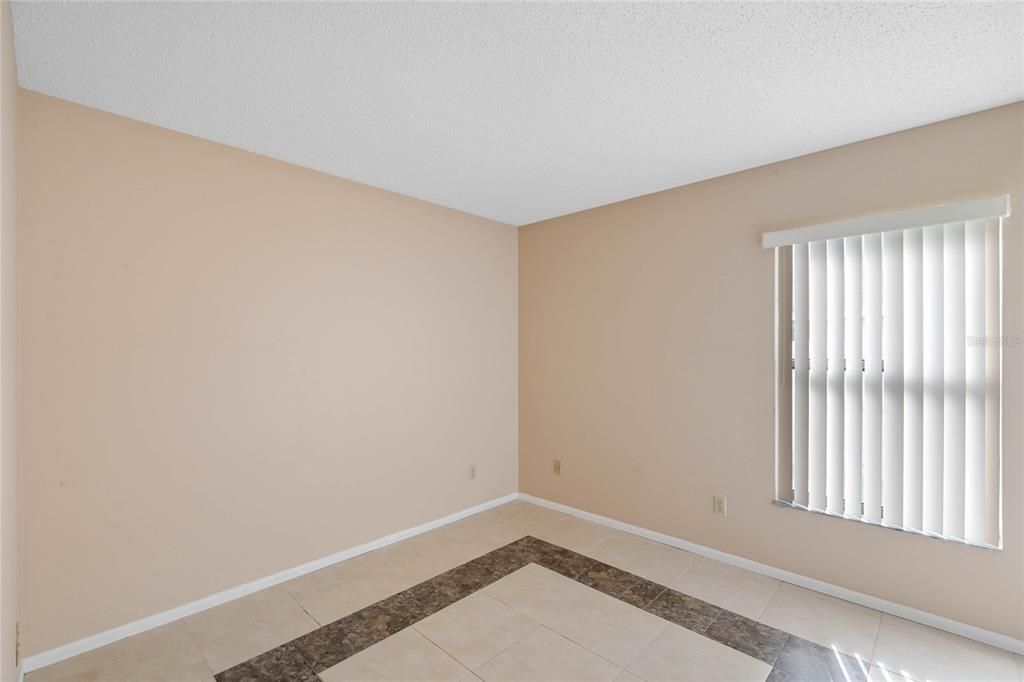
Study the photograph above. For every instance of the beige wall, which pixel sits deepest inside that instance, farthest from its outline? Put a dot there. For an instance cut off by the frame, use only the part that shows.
(233, 366)
(646, 362)
(8, 366)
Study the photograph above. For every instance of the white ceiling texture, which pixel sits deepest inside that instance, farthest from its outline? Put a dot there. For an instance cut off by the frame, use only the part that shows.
(521, 112)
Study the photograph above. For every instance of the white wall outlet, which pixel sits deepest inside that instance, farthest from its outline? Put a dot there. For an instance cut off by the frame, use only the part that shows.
(718, 504)
(558, 467)
(472, 472)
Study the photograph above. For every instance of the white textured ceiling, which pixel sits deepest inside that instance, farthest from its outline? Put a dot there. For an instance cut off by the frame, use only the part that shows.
(521, 112)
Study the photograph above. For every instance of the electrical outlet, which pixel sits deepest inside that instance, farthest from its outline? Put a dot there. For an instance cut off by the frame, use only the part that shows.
(472, 472)
(558, 467)
(718, 504)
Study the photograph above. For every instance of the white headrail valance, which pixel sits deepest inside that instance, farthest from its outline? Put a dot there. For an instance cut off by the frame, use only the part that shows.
(993, 207)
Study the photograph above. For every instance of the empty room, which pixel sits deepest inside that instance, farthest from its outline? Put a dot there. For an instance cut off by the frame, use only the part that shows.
(511, 341)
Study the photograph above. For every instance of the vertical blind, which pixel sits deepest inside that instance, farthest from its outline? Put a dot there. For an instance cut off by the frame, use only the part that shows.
(888, 379)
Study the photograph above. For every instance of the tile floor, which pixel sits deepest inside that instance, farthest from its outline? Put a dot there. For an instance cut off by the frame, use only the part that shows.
(594, 604)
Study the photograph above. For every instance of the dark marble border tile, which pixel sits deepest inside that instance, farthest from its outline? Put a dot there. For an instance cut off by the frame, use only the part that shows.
(778, 675)
(804, 660)
(752, 638)
(347, 636)
(283, 663)
(794, 659)
(499, 563)
(682, 609)
(642, 593)
(612, 581)
(558, 559)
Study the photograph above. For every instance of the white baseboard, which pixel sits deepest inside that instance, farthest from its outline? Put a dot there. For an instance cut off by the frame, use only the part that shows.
(45, 658)
(924, 617)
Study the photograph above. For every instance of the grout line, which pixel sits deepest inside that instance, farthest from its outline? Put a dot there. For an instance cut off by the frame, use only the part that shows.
(311, 616)
(767, 602)
(644, 650)
(690, 568)
(432, 642)
(285, 590)
(202, 653)
(580, 644)
(585, 648)
(536, 625)
(874, 643)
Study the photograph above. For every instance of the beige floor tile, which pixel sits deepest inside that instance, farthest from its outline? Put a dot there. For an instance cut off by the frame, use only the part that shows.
(546, 655)
(879, 674)
(487, 533)
(736, 589)
(679, 654)
(823, 619)
(575, 534)
(436, 551)
(239, 630)
(407, 655)
(476, 629)
(651, 560)
(164, 654)
(536, 592)
(626, 676)
(924, 653)
(610, 628)
(523, 518)
(489, 530)
(336, 591)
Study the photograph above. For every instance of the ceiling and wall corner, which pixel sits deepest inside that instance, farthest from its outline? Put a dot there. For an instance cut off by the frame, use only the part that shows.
(521, 112)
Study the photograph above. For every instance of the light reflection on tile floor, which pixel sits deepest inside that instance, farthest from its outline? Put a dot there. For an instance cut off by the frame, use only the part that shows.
(535, 624)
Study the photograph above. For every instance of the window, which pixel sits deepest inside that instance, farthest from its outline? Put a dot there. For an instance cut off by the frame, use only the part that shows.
(888, 369)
